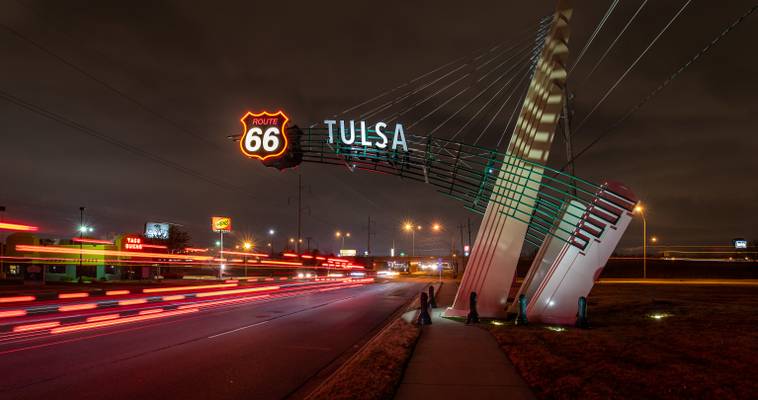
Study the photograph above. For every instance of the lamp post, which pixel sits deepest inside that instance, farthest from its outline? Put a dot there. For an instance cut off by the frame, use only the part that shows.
(247, 246)
(644, 241)
(409, 227)
(339, 234)
(2, 246)
(271, 233)
(81, 235)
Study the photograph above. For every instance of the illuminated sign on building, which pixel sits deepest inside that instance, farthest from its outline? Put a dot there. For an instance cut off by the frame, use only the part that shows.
(348, 252)
(264, 135)
(132, 243)
(221, 224)
(355, 133)
(740, 244)
(156, 230)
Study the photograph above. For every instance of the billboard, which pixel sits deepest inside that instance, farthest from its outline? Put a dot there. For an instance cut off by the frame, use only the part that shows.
(156, 230)
(221, 224)
(740, 244)
(348, 252)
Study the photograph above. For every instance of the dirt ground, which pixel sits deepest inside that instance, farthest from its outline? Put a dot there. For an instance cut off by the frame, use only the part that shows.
(375, 372)
(645, 342)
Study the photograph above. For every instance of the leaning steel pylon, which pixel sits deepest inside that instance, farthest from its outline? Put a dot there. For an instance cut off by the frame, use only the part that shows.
(492, 265)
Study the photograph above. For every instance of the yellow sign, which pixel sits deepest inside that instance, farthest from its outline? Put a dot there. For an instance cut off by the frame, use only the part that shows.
(221, 224)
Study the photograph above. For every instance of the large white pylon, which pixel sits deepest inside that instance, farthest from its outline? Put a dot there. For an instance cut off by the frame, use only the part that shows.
(492, 265)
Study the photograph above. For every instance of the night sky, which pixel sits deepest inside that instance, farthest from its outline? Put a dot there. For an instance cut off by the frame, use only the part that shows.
(690, 154)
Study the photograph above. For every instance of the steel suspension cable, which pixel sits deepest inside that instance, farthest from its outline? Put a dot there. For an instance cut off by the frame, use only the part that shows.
(506, 101)
(468, 59)
(594, 34)
(526, 69)
(608, 50)
(474, 98)
(404, 96)
(629, 69)
(400, 114)
(666, 82)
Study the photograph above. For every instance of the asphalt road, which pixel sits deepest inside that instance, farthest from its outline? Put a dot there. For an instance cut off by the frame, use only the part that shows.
(264, 350)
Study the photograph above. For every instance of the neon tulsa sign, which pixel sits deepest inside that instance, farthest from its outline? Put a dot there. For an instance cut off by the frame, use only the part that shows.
(350, 134)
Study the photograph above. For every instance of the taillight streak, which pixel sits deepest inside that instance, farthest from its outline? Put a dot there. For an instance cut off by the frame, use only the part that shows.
(16, 299)
(34, 327)
(119, 321)
(177, 288)
(77, 307)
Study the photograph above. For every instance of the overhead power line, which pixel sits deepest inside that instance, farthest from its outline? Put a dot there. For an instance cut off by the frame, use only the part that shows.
(666, 82)
(110, 87)
(115, 142)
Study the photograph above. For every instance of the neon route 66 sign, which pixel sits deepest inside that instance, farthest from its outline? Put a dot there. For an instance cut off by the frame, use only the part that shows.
(264, 135)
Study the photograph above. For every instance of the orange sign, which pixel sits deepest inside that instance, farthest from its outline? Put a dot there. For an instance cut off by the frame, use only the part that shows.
(221, 224)
(264, 135)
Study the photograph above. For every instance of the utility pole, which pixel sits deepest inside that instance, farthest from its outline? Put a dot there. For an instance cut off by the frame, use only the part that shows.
(2, 245)
(567, 137)
(468, 221)
(368, 238)
(299, 212)
(81, 236)
(462, 242)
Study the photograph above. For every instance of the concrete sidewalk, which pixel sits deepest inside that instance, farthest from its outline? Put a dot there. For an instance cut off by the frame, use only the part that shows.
(455, 361)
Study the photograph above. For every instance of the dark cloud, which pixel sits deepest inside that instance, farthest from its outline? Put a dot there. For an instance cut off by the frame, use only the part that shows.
(689, 153)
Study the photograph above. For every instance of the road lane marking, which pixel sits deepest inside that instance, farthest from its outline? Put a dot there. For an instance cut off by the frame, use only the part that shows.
(238, 329)
(281, 316)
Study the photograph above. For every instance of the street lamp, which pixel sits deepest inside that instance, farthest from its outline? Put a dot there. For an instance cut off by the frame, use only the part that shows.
(409, 227)
(247, 246)
(339, 234)
(641, 211)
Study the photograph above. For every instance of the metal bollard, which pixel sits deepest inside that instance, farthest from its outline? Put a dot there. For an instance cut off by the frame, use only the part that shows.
(473, 314)
(432, 300)
(423, 317)
(521, 319)
(581, 314)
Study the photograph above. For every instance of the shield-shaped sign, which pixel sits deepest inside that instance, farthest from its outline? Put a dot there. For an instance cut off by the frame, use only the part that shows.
(265, 135)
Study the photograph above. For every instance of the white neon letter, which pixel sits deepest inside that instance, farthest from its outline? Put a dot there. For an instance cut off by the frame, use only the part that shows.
(364, 142)
(330, 124)
(343, 132)
(378, 128)
(401, 135)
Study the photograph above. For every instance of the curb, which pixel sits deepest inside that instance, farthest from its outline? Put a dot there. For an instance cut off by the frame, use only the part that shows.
(398, 314)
